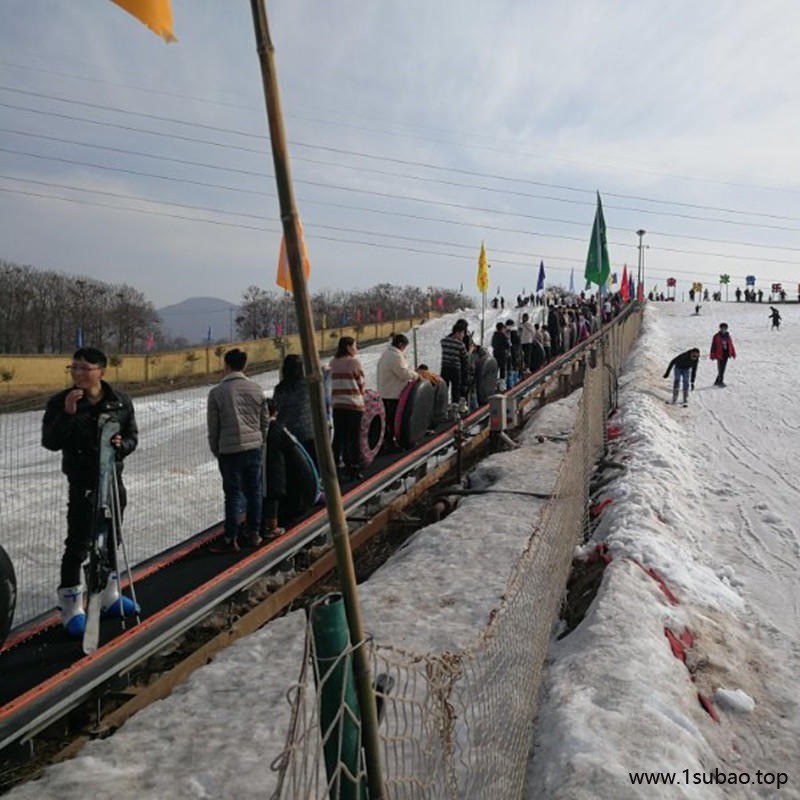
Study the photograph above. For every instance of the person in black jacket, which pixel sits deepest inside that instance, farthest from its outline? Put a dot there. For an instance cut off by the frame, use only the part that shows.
(685, 366)
(516, 349)
(293, 403)
(501, 349)
(554, 329)
(70, 425)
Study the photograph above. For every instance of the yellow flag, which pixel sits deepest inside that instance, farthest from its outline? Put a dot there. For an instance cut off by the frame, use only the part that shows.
(483, 271)
(156, 14)
(284, 277)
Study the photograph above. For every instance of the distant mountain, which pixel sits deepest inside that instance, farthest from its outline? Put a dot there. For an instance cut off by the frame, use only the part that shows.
(192, 318)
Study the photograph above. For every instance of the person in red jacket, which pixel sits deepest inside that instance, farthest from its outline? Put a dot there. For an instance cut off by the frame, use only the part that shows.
(721, 350)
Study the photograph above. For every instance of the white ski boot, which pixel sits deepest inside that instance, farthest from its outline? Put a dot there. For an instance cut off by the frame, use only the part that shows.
(111, 599)
(73, 615)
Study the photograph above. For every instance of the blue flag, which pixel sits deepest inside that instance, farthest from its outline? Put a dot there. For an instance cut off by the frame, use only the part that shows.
(78, 338)
(208, 336)
(540, 282)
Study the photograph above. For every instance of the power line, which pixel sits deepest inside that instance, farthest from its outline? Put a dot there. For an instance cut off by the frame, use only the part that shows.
(324, 121)
(652, 271)
(386, 195)
(404, 197)
(320, 237)
(398, 161)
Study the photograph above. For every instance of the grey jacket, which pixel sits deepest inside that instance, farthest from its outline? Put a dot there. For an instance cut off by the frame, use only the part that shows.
(237, 415)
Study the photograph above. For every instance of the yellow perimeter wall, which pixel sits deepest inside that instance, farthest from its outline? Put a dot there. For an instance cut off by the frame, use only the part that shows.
(34, 372)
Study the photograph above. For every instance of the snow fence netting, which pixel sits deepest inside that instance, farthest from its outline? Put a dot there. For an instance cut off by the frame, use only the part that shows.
(460, 724)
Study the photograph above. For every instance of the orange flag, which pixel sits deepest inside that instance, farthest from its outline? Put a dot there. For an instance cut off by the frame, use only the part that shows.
(284, 277)
(156, 14)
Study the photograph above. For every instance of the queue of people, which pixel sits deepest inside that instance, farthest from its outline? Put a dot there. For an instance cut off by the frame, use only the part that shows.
(249, 434)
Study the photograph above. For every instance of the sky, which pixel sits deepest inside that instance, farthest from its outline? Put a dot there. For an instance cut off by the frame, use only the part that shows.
(416, 130)
(707, 501)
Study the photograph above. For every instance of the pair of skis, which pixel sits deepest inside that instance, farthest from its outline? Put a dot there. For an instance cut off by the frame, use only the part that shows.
(106, 535)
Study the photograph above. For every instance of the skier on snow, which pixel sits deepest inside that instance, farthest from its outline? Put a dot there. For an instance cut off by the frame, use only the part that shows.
(685, 366)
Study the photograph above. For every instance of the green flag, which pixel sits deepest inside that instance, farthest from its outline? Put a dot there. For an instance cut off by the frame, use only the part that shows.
(598, 266)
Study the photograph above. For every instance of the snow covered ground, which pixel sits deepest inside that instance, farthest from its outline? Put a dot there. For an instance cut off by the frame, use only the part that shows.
(707, 500)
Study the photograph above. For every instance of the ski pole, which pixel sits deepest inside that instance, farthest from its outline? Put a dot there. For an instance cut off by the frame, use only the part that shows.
(121, 540)
(116, 540)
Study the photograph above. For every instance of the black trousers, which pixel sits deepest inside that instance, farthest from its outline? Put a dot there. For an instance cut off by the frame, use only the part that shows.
(527, 356)
(721, 364)
(390, 407)
(347, 436)
(452, 377)
(80, 511)
(501, 357)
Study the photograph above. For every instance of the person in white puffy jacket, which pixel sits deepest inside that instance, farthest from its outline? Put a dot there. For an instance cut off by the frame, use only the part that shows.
(393, 375)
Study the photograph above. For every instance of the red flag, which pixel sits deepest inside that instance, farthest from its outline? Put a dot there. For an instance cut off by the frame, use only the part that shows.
(440, 301)
(625, 288)
(151, 342)
(379, 315)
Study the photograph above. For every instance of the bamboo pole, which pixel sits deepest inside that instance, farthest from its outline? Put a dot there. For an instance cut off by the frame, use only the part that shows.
(333, 497)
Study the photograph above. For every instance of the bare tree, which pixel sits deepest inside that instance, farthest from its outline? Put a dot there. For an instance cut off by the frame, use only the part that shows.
(43, 311)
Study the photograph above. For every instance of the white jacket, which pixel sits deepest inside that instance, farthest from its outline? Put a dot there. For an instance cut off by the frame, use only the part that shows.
(526, 331)
(393, 373)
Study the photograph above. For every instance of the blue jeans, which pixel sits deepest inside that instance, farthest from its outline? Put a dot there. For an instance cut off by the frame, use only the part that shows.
(681, 377)
(241, 482)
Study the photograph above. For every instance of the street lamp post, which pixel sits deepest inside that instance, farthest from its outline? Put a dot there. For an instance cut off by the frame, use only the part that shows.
(640, 275)
(121, 321)
(81, 336)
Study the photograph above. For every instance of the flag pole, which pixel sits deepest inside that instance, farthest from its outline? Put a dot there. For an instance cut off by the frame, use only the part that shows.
(333, 497)
(483, 315)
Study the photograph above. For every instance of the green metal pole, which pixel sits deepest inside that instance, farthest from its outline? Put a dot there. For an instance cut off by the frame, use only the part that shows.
(327, 467)
(339, 716)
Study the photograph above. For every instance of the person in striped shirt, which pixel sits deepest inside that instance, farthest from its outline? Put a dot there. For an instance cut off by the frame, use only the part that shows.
(347, 392)
(454, 361)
